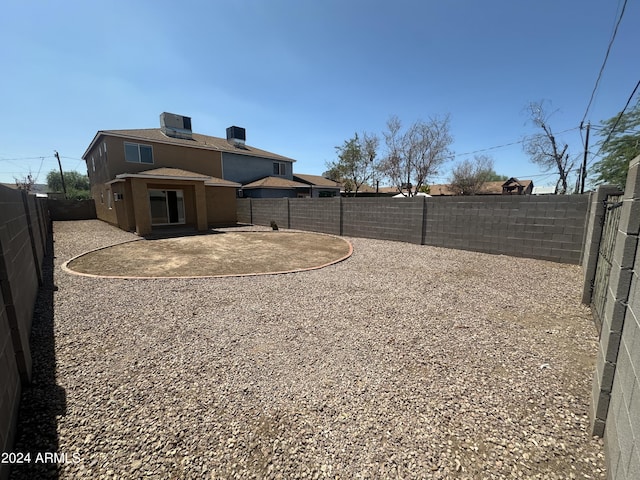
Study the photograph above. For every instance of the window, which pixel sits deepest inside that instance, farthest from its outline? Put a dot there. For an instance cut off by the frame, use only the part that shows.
(104, 146)
(279, 168)
(93, 162)
(109, 199)
(136, 153)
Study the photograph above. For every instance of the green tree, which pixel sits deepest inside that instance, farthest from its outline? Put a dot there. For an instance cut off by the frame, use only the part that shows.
(618, 147)
(492, 176)
(77, 184)
(355, 165)
(469, 176)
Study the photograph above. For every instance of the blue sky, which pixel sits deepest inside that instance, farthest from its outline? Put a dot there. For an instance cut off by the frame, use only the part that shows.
(302, 77)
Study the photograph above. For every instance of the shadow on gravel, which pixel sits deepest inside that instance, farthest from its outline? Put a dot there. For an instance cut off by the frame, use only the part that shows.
(42, 401)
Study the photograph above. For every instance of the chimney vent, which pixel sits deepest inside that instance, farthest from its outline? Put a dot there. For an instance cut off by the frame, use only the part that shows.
(176, 126)
(236, 136)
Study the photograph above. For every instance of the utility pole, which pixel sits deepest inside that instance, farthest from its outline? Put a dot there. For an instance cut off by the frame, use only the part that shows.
(584, 160)
(64, 187)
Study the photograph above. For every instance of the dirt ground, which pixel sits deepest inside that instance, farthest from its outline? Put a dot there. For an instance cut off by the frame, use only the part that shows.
(214, 254)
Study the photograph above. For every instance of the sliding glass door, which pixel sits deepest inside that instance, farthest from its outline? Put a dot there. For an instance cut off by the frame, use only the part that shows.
(167, 207)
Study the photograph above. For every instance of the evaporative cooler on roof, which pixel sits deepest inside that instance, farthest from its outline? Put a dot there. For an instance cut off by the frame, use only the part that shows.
(176, 126)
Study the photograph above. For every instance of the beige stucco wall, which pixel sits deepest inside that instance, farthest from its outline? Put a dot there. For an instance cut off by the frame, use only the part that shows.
(221, 206)
(203, 205)
(100, 194)
(112, 163)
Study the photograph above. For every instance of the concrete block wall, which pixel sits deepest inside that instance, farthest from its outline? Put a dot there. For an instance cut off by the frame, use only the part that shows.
(23, 228)
(543, 227)
(396, 219)
(10, 387)
(243, 210)
(315, 214)
(266, 210)
(615, 405)
(548, 227)
(18, 274)
(61, 210)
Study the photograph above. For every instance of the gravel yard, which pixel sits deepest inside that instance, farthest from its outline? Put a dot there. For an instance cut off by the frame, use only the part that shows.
(403, 361)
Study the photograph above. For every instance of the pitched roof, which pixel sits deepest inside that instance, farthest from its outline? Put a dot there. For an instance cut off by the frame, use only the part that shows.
(204, 142)
(488, 188)
(167, 173)
(515, 182)
(316, 180)
(275, 182)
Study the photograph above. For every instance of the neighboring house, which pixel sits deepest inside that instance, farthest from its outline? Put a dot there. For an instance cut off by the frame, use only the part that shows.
(317, 186)
(512, 186)
(274, 187)
(141, 179)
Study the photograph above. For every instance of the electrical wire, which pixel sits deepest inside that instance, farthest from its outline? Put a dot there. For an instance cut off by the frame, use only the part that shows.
(507, 144)
(603, 144)
(606, 57)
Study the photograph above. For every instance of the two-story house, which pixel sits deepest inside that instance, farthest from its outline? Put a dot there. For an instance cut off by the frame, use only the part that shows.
(170, 175)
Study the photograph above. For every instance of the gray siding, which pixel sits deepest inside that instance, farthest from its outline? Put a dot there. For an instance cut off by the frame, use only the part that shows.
(246, 169)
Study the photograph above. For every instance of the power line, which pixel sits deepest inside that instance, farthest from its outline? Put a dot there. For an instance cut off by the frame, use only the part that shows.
(606, 57)
(25, 158)
(507, 144)
(602, 145)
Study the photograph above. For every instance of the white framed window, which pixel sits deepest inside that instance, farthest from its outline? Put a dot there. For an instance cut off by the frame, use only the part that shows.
(279, 168)
(138, 153)
(104, 146)
(93, 163)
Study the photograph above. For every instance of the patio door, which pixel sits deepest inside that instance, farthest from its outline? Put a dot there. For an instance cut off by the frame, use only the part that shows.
(167, 207)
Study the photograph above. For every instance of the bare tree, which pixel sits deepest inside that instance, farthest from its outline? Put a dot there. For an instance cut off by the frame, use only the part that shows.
(25, 183)
(468, 177)
(415, 154)
(544, 149)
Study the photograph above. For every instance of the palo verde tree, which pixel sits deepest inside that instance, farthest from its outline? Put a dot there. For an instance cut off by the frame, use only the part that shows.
(545, 150)
(356, 163)
(619, 145)
(469, 176)
(76, 183)
(415, 154)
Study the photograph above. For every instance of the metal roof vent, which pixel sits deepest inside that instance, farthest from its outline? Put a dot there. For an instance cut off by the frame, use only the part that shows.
(236, 136)
(176, 126)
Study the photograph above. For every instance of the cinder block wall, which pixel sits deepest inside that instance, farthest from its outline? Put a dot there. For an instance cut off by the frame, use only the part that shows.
(243, 210)
(383, 218)
(548, 227)
(315, 214)
(266, 210)
(23, 225)
(72, 209)
(543, 227)
(10, 388)
(615, 405)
